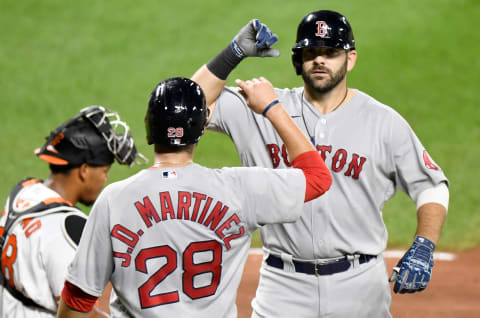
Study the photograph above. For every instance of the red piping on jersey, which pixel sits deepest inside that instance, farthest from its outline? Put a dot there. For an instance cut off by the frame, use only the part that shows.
(317, 176)
(77, 299)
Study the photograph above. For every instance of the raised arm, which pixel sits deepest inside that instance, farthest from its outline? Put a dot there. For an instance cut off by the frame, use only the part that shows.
(262, 99)
(254, 39)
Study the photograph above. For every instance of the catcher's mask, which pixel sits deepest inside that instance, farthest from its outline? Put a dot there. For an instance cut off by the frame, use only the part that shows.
(96, 136)
(177, 113)
(322, 28)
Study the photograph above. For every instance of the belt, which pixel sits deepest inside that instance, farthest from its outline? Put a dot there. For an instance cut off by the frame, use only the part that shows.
(333, 267)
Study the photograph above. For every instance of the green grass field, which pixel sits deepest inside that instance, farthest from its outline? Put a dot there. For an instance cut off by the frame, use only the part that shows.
(416, 56)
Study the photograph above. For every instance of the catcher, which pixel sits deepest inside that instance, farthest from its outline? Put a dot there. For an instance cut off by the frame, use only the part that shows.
(40, 225)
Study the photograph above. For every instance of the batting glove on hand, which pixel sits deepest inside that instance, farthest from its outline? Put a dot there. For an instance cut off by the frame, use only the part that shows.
(414, 269)
(255, 39)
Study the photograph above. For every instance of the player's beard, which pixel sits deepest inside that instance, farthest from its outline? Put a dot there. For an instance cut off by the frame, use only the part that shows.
(331, 83)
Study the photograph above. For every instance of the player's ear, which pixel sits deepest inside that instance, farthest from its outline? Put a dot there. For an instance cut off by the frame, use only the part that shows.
(351, 59)
(83, 172)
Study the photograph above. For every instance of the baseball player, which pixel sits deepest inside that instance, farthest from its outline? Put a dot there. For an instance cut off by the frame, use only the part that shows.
(329, 263)
(40, 225)
(173, 239)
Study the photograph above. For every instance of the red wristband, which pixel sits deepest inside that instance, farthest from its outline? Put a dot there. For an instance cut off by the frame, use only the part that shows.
(77, 299)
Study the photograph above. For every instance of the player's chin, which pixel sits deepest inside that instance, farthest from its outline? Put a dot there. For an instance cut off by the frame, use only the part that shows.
(322, 86)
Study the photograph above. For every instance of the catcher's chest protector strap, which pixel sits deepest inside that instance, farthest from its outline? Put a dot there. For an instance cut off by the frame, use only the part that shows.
(27, 302)
(45, 207)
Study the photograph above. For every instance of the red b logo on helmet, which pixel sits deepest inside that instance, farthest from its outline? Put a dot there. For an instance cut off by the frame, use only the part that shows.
(322, 29)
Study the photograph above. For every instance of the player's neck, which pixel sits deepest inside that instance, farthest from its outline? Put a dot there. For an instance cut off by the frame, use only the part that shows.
(64, 185)
(177, 159)
(329, 101)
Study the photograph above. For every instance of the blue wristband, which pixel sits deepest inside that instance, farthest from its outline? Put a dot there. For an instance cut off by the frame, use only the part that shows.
(275, 102)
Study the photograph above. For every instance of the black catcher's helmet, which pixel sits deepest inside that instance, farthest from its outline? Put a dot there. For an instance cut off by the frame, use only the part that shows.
(322, 28)
(177, 113)
(95, 136)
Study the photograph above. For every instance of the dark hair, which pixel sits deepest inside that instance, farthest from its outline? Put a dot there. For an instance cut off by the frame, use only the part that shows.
(63, 169)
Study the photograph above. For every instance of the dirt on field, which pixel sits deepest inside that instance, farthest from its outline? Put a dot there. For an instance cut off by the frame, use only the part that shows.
(453, 292)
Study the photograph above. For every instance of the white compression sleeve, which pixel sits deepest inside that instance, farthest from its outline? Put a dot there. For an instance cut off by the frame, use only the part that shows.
(438, 194)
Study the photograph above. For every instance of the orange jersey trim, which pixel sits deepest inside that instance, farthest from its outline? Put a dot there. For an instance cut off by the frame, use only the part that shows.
(56, 200)
(30, 182)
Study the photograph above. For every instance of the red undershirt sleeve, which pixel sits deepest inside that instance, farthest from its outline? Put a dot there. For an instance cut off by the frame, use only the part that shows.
(317, 176)
(77, 299)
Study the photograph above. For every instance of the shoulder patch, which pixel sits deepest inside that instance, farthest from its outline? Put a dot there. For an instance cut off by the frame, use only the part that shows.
(73, 225)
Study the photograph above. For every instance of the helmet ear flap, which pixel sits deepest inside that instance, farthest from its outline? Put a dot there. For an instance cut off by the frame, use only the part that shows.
(297, 60)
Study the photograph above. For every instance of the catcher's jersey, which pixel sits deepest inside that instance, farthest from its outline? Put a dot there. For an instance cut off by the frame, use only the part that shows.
(369, 148)
(173, 241)
(36, 256)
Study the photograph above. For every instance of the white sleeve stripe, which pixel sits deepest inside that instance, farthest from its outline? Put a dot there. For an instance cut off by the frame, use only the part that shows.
(438, 194)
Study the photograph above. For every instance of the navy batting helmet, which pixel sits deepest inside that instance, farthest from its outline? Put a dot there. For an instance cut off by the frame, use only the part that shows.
(322, 28)
(177, 113)
(95, 136)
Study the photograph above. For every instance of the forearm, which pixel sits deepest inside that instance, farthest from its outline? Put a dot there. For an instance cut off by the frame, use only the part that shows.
(66, 312)
(414, 269)
(211, 85)
(430, 217)
(75, 302)
(317, 176)
(294, 139)
(254, 39)
(212, 76)
(301, 152)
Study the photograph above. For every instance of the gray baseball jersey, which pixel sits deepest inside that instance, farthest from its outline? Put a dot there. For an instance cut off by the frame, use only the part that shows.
(371, 151)
(173, 241)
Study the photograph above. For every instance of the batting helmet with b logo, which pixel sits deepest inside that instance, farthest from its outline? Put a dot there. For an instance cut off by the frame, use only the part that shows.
(322, 28)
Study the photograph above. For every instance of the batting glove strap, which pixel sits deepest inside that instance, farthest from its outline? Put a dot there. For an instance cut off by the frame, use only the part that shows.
(415, 267)
(420, 240)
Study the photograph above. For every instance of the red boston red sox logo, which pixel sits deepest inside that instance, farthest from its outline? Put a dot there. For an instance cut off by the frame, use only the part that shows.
(428, 161)
(322, 29)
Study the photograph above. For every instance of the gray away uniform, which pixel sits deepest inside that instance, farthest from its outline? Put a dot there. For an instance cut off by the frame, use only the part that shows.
(173, 241)
(371, 151)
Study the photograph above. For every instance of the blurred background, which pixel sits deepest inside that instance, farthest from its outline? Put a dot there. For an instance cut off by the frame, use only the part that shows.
(419, 57)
